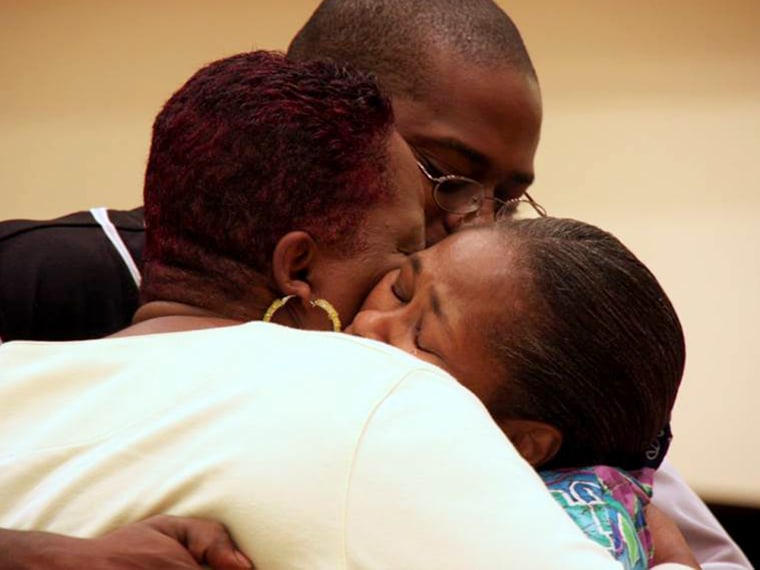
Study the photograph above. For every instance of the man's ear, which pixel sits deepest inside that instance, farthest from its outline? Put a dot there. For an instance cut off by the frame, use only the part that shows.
(536, 441)
(292, 261)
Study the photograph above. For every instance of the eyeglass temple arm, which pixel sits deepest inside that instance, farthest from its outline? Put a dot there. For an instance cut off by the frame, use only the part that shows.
(536, 206)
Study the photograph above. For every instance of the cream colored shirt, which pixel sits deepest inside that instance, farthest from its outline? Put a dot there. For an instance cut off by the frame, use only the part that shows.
(317, 450)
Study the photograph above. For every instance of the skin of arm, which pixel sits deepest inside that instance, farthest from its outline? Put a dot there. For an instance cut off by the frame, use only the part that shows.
(669, 544)
(158, 543)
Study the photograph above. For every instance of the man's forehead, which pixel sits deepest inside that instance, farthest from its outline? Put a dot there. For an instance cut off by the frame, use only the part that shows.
(505, 143)
(473, 98)
(458, 146)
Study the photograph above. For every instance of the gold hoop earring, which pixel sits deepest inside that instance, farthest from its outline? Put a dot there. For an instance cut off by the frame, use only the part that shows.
(332, 313)
(323, 304)
(276, 305)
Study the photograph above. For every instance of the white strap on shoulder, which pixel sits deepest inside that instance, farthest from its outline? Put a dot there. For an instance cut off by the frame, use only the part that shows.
(101, 216)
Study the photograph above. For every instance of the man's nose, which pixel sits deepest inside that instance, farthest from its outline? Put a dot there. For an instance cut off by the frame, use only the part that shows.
(487, 210)
(454, 222)
(484, 214)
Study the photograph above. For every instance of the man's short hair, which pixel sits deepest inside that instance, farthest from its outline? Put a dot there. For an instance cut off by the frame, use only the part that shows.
(395, 39)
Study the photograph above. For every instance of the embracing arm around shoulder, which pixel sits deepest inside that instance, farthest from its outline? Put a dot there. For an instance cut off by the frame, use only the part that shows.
(161, 542)
(436, 485)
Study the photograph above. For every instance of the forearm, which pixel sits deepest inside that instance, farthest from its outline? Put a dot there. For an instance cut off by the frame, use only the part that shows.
(29, 550)
(158, 543)
(670, 546)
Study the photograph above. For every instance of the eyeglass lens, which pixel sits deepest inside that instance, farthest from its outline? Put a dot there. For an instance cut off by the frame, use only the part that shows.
(459, 196)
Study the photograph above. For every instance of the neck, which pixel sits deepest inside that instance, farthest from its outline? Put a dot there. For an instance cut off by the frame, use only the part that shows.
(167, 316)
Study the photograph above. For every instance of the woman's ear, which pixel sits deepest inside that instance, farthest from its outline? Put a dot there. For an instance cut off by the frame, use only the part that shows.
(536, 441)
(292, 261)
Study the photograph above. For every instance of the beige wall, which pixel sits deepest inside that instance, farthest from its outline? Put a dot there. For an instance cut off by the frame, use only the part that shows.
(652, 130)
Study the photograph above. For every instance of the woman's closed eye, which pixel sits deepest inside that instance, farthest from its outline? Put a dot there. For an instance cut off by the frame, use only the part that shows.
(402, 283)
(399, 294)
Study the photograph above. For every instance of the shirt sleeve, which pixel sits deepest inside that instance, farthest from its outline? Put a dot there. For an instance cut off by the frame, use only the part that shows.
(710, 543)
(436, 485)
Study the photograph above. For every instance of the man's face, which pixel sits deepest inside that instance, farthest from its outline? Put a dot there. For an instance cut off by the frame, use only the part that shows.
(480, 122)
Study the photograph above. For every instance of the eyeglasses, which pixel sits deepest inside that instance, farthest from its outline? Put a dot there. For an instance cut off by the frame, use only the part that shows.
(462, 195)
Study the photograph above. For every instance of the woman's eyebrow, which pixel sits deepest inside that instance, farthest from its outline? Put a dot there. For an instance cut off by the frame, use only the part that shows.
(416, 263)
(435, 304)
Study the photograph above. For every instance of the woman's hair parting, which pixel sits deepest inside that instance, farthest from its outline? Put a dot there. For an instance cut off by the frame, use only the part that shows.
(253, 146)
(600, 351)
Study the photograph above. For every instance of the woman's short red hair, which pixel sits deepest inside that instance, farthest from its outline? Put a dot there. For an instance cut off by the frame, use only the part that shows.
(254, 146)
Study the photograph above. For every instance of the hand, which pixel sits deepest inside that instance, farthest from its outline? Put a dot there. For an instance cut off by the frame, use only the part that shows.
(669, 544)
(158, 543)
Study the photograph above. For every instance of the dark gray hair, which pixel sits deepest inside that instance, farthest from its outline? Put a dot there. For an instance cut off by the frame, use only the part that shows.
(600, 353)
(396, 39)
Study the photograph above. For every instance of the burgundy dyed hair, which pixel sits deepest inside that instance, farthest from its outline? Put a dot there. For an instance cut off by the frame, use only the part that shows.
(254, 146)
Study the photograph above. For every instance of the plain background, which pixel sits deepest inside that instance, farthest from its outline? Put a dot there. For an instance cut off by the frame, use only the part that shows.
(651, 130)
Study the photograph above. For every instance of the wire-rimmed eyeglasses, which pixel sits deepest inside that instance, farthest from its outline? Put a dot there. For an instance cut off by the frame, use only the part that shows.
(462, 195)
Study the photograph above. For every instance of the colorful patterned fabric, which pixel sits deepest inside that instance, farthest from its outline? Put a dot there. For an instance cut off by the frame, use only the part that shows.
(608, 505)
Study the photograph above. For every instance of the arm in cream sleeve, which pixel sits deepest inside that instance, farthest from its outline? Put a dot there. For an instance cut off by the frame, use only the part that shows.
(435, 484)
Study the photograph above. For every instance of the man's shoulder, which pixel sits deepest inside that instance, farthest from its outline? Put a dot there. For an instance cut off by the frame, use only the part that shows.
(68, 280)
(123, 220)
(71, 248)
